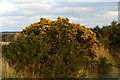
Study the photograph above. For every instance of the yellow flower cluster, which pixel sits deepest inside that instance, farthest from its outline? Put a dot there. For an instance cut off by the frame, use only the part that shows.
(26, 28)
(62, 29)
(44, 28)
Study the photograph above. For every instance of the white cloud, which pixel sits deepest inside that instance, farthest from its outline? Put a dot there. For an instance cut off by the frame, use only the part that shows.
(22, 5)
(64, 0)
(27, 12)
(0, 24)
(74, 18)
(19, 15)
(77, 9)
(109, 14)
(35, 9)
(6, 7)
(12, 18)
(11, 22)
(1, 19)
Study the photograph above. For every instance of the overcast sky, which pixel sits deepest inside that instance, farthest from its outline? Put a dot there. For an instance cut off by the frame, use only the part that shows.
(17, 14)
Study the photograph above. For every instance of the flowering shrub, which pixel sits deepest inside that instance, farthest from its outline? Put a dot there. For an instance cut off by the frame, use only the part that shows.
(105, 66)
(53, 48)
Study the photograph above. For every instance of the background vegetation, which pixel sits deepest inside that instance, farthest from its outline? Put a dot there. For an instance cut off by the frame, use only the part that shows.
(8, 37)
(110, 36)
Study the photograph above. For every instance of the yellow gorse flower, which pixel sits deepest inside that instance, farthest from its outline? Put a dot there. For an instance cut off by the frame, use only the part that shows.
(72, 32)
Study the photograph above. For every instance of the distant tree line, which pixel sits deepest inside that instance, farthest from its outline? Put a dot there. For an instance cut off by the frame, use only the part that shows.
(109, 34)
(8, 37)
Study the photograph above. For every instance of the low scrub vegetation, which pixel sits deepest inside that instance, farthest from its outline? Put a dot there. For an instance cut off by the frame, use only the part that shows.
(110, 36)
(58, 49)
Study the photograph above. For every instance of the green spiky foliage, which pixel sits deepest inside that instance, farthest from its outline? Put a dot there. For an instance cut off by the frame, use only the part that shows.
(52, 48)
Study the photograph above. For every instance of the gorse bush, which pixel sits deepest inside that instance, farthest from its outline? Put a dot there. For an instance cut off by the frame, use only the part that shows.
(105, 66)
(52, 48)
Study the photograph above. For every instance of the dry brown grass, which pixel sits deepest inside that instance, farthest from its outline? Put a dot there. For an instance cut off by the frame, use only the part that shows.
(7, 71)
(10, 72)
(4, 43)
(102, 51)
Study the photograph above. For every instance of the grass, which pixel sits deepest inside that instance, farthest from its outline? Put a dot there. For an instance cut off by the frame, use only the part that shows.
(9, 72)
(4, 43)
(102, 51)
